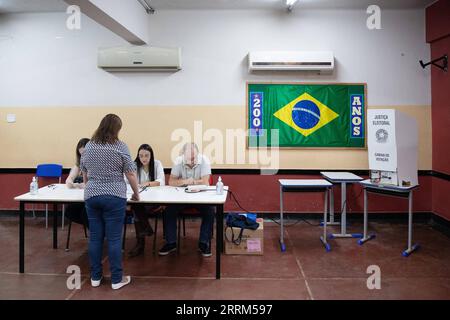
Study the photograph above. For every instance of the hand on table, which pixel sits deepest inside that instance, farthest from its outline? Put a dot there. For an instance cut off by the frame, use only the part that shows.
(135, 197)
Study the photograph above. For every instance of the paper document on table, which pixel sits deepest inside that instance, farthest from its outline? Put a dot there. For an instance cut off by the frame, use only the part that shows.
(201, 187)
(198, 187)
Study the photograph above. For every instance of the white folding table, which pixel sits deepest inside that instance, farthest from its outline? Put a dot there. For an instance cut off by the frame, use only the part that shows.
(304, 185)
(394, 191)
(164, 195)
(342, 178)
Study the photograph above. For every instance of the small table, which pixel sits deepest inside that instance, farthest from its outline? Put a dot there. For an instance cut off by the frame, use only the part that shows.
(304, 185)
(342, 178)
(395, 191)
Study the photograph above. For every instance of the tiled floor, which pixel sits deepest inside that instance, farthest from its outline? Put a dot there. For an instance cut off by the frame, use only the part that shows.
(304, 271)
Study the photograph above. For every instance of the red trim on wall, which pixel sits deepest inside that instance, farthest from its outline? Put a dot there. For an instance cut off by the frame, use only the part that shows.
(441, 198)
(440, 109)
(258, 193)
(438, 20)
(438, 34)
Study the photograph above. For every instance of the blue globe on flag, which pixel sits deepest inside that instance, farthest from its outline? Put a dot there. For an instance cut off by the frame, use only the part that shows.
(306, 114)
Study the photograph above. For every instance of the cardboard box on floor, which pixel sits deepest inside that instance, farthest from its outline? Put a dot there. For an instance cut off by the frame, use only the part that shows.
(252, 242)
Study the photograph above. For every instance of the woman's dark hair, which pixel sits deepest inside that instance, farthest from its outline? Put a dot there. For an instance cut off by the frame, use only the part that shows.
(82, 143)
(108, 130)
(151, 165)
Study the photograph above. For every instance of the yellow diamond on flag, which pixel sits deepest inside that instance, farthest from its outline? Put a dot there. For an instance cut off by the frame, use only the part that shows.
(306, 114)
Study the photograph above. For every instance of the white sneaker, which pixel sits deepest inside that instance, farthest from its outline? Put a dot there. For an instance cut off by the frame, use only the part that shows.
(96, 283)
(125, 280)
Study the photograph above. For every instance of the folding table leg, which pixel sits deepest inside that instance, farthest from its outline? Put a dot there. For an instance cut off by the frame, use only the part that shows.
(365, 237)
(282, 244)
(324, 237)
(411, 247)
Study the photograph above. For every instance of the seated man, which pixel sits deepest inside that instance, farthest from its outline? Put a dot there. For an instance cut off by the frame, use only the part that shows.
(189, 169)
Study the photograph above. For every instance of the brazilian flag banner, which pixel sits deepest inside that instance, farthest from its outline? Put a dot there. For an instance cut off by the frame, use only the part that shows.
(306, 115)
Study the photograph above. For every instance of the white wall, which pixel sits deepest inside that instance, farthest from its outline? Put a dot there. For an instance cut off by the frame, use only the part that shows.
(36, 69)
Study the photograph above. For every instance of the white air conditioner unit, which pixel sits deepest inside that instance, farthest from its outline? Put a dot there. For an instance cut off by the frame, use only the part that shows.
(322, 61)
(139, 58)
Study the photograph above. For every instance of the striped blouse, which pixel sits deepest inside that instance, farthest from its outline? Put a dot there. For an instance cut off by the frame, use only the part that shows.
(105, 165)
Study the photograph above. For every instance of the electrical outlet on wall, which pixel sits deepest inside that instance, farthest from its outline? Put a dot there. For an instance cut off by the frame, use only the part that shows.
(11, 118)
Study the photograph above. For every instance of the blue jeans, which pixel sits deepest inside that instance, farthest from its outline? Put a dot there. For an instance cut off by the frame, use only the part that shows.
(170, 222)
(106, 216)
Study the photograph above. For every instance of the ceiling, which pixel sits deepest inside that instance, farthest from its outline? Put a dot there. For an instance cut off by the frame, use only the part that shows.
(15, 6)
(274, 4)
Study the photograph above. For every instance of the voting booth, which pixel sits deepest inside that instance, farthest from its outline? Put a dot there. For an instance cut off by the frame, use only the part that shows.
(392, 147)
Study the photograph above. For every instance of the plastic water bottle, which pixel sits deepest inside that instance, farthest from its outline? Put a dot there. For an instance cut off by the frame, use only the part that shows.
(36, 185)
(219, 186)
(33, 186)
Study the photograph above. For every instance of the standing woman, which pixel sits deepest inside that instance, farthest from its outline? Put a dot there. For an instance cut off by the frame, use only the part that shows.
(104, 162)
(150, 173)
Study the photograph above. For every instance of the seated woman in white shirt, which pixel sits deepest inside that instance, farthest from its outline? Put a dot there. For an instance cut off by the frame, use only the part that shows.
(150, 173)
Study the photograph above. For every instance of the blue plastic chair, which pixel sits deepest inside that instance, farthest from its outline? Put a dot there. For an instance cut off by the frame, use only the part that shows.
(50, 171)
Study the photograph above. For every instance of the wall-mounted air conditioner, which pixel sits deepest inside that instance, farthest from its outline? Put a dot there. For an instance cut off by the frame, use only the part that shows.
(322, 61)
(139, 58)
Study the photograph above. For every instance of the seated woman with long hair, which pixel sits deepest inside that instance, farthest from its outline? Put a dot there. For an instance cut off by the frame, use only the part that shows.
(76, 212)
(150, 173)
